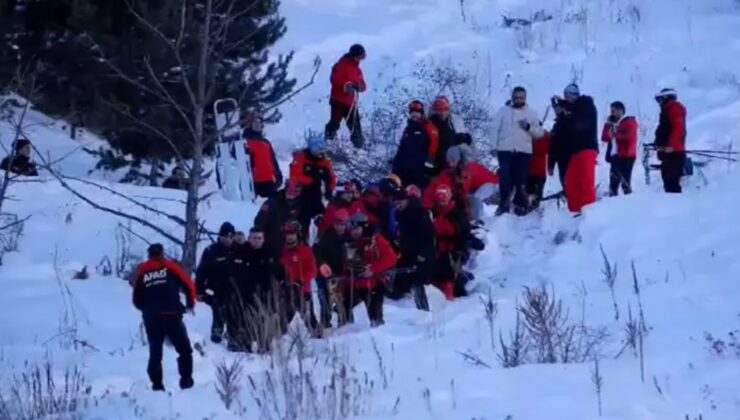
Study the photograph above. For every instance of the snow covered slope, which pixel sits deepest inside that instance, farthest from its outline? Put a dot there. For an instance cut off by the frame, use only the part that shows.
(684, 248)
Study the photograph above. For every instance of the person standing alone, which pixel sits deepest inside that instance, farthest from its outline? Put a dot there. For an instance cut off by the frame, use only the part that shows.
(347, 82)
(157, 285)
(670, 139)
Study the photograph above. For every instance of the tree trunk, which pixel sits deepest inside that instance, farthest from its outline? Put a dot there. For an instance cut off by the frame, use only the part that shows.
(192, 223)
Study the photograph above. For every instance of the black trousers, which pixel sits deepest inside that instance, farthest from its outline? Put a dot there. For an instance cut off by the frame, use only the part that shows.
(324, 301)
(671, 170)
(218, 309)
(373, 299)
(620, 174)
(339, 112)
(265, 189)
(159, 327)
(513, 170)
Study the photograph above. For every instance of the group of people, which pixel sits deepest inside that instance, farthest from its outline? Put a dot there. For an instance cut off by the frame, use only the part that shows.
(384, 239)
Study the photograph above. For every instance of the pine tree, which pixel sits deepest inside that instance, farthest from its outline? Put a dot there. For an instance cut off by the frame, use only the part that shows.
(85, 54)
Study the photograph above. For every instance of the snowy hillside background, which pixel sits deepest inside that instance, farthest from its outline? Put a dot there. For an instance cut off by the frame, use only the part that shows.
(684, 248)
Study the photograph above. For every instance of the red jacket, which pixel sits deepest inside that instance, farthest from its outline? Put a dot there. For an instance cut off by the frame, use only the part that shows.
(309, 171)
(447, 231)
(264, 164)
(300, 266)
(157, 286)
(671, 131)
(345, 71)
(353, 207)
(474, 176)
(624, 133)
(540, 148)
(377, 253)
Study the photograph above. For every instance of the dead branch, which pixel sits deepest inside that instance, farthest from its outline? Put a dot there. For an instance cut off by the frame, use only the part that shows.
(316, 67)
(473, 359)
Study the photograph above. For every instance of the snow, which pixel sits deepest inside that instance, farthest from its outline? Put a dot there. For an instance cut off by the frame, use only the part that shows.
(684, 247)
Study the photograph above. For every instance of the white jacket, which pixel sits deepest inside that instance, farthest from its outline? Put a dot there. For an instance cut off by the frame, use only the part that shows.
(508, 136)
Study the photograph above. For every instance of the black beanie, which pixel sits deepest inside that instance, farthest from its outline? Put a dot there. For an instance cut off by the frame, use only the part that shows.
(155, 250)
(356, 50)
(227, 229)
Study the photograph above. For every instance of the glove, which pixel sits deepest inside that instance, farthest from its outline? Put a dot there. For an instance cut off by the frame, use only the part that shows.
(318, 220)
(608, 157)
(524, 125)
(325, 271)
(351, 88)
(464, 138)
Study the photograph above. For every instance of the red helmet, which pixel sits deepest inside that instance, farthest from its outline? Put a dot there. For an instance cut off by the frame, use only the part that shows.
(441, 104)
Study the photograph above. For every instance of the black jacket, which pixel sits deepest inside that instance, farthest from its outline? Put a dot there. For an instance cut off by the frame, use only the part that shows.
(574, 131)
(416, 233)
(331, 249)
(413, 153)
(218, 270)
(21, 165)
(157, 286)
(262, 268)
(276, 212)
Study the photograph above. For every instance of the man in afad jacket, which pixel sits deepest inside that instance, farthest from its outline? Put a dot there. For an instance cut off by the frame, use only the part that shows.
(514, 128)
(670, 139)
(620, 135)
(347, 82)
(157, 285)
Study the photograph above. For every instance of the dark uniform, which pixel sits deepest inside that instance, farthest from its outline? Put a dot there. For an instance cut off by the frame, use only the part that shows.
(157, 286)
(218, 273)
(19, 165)
(330, 250)
(275, 213)
(416, 238)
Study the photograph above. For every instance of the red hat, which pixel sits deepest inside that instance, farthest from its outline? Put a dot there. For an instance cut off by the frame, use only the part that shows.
(441, 104)
(341, 215)
(443, 193)
(292, 228)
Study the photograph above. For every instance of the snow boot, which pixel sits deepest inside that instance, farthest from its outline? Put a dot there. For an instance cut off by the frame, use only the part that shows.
(216, 338)
(158, 387)
(186, 383)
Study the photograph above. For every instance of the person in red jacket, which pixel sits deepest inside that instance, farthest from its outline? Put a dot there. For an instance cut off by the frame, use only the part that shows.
(538, 170)
(300, 270)
(452, 230)
(266, 172)
(344, 200)
(369, 257)
(414, 162)
(469, 181)
(312, 168)
(157, 284)
(670, 139)
(347, 82)
(620, 135)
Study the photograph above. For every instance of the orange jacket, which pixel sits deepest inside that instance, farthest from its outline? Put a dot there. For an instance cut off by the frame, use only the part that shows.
(474, 175)
(308, 170)
(300, 266)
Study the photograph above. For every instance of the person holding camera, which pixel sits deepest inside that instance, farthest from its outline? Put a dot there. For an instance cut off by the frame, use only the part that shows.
(514, 128)
(574, 146)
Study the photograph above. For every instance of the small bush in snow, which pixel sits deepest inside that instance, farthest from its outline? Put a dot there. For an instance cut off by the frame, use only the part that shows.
(11, 230)
(729, 346)
(39, 392)
(228, 380)
(515, 351)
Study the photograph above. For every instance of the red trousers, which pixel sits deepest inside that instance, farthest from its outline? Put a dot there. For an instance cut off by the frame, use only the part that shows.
(580, 180)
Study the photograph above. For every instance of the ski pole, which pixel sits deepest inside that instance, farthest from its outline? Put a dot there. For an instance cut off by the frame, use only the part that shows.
(722, 152)
(710, 156)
